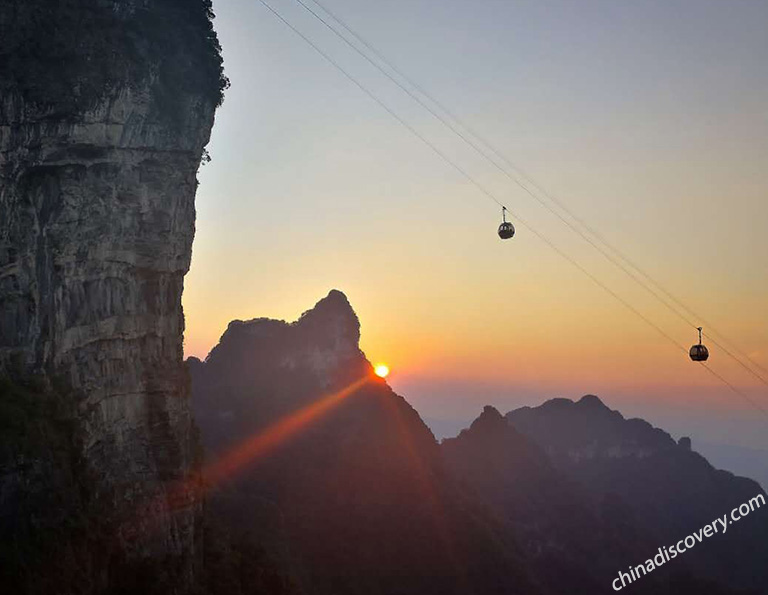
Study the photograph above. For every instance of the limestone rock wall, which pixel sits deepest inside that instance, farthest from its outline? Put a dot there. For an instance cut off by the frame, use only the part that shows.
(97, 219)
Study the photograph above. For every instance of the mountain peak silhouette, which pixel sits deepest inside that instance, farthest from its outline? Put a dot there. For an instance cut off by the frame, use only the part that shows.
(490, 420)
(592, 401)
(349, 479)
(332, 317)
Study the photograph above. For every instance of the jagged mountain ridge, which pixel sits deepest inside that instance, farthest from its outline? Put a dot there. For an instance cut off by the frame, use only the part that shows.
(359, 500)
(652, 482)
(587, 429)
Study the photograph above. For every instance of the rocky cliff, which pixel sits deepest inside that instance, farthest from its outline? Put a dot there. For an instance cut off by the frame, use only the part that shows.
(105, 109)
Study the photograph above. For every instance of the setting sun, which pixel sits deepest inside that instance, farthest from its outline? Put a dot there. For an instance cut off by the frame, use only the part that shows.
(381, 370)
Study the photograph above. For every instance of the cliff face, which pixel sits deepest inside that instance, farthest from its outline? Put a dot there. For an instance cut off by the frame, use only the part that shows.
(100, 143)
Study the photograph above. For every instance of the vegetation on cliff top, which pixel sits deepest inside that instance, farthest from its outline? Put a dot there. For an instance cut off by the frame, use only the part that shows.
(68, 54)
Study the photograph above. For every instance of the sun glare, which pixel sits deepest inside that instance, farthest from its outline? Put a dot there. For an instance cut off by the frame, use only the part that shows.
(381, 370)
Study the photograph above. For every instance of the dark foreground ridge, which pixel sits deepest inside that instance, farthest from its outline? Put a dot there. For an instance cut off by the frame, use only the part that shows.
(358, 500)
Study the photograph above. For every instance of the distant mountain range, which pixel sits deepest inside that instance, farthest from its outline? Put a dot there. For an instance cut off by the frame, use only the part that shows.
(637, 474)
(740, 460)
(317, 461)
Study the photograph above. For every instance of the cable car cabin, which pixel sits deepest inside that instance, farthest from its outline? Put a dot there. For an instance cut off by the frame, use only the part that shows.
(699, 353)
(506, 230)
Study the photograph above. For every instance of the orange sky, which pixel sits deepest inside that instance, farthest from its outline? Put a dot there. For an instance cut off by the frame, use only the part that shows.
(639, 119)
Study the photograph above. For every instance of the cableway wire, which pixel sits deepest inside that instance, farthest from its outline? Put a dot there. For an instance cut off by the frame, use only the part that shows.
(492, 197)
(614, 258)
